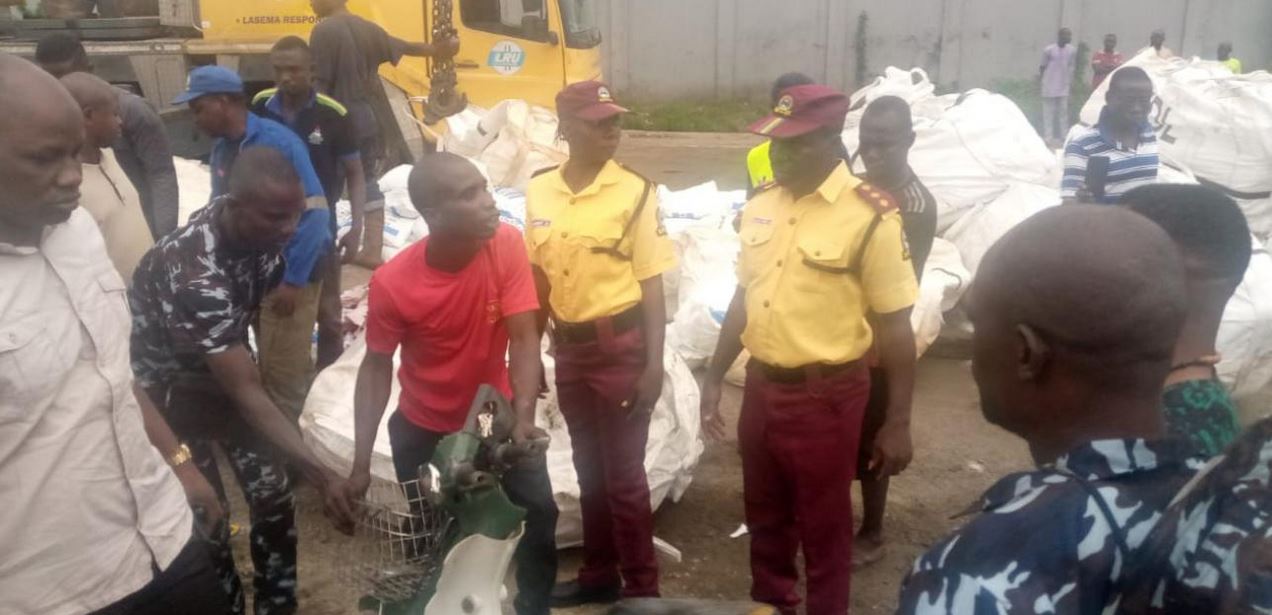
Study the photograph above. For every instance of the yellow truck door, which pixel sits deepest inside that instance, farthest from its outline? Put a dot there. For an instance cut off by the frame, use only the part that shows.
(509, 49)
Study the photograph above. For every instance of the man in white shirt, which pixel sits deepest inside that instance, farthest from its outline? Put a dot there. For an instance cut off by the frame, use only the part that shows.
(106, 192)
(1055, 77)
(94, 521)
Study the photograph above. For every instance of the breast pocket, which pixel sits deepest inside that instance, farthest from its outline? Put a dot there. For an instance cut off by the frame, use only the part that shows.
(31, 367)
(824, 264)
(758, 250)
(108, 318)
(606, 237)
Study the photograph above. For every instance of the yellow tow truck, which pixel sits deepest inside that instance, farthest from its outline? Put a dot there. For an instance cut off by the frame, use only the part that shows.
(527, 49)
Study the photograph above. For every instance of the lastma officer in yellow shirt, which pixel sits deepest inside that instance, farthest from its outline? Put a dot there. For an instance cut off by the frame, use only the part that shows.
(599, 252)
(820, 250)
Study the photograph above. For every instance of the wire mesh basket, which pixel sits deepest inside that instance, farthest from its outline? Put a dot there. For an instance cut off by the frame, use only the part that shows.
(398, 545)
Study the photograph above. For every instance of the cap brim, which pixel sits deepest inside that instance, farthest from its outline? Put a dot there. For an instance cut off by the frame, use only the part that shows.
(185, 97)
(599, 111)
(778, 127)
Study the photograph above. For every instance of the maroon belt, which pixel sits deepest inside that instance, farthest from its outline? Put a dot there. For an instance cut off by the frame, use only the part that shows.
(585, 332)
(805, 373)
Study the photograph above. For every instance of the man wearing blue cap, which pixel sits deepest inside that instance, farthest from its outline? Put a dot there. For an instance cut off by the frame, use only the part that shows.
(286, 324)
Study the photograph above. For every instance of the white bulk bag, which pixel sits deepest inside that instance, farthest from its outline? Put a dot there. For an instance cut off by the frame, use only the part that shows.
(1245, 333)
(976, 232)
(969, 148)
(671, 453)
(945, 279)
(1213, 124)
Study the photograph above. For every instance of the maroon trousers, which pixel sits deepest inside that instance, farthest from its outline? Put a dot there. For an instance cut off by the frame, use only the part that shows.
(799, 455)
(596, 382)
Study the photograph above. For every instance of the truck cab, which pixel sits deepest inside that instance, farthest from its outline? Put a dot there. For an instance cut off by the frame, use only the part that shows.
(526, 49)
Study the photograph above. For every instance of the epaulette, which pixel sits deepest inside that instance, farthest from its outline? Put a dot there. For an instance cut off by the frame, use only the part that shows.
(879, 199)
(264, 95)
(544, 170)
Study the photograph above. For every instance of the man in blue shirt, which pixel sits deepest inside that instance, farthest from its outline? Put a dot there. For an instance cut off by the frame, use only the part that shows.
(1123, 138)
(1078, 375)
(285, 334)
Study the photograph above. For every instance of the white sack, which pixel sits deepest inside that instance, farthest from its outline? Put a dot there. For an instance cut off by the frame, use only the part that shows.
(1214, 124)
(969, 148)
(513, 140)
(670, 456)
(194, 186)
(945, 279)
(986, 224)
(1245, 333)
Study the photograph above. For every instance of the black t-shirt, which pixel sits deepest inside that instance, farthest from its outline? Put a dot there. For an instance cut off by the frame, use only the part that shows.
(327, 130)
(348, 51)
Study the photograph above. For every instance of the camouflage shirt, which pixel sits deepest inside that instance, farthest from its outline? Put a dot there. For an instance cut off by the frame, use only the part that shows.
(1212, 551)
(1042, 543)
(193, 295)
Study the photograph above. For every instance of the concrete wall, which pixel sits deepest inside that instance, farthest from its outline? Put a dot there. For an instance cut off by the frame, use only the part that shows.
(664, 49)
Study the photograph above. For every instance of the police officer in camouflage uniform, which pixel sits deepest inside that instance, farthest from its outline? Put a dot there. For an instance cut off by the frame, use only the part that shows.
(1078, 374)
(194, 296)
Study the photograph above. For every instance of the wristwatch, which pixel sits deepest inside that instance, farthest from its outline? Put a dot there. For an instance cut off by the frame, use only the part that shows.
(182, 455)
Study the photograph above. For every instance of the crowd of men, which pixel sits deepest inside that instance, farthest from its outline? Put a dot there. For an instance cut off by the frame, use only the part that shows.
(125, 358)
(1059, 66)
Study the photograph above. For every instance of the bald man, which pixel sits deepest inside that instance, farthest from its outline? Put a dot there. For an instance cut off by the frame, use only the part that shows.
(457, 303)
(195, 294)
(1077, 374)
(95, 520)
(106, 192)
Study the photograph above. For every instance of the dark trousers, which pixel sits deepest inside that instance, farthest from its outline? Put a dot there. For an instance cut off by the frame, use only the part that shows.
(527, 485)
(188, 586)
(273, 515)
(799, 452)
(371, 151)
(596, 382)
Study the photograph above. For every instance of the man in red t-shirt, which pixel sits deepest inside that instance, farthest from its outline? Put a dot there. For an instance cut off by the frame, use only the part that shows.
(456, 303)
(1103, 63)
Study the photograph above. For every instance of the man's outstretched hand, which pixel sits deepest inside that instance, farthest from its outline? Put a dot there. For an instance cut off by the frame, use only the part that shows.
(339, 502)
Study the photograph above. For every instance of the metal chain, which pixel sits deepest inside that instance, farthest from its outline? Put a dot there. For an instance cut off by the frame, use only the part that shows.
(444, 99)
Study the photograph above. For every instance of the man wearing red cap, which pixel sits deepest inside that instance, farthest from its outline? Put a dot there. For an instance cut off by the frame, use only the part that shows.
(820, 250)
(599, 252)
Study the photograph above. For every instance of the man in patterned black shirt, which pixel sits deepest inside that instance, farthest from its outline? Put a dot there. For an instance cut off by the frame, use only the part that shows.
(1077, 374)
(887, 134)
(194, 296)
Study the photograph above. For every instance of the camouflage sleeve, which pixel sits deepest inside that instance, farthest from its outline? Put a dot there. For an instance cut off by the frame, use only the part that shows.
(203, 317)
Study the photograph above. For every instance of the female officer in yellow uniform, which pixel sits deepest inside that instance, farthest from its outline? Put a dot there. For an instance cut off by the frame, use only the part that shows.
(599, 252)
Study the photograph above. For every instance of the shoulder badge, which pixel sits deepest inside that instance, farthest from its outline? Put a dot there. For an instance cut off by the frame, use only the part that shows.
(264, 95)
(332, 104)
(544, 170)
(877, 198)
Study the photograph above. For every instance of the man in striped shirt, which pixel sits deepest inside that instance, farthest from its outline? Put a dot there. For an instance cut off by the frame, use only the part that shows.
(1119, 153)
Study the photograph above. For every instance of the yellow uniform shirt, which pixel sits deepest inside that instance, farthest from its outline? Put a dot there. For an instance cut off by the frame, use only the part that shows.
(562, 228)
(1233, 65)
(806, 298)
